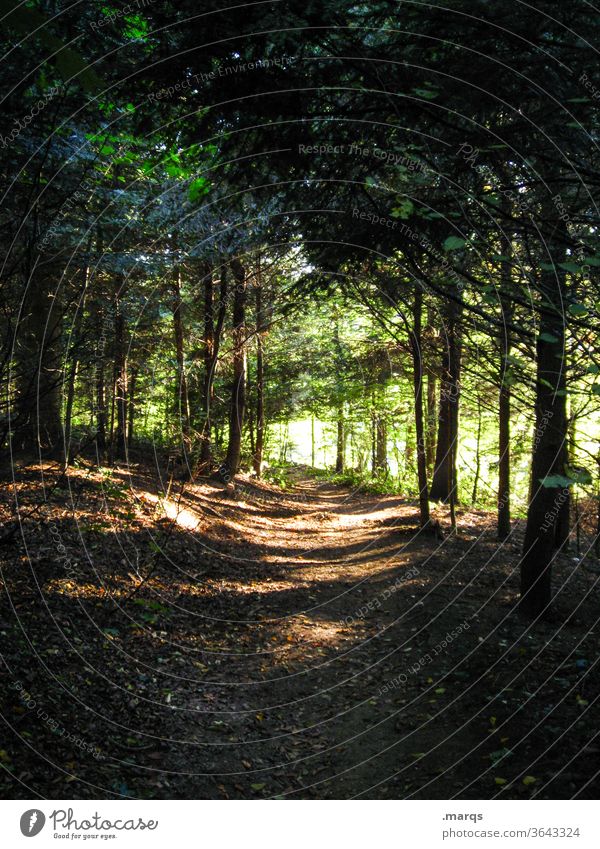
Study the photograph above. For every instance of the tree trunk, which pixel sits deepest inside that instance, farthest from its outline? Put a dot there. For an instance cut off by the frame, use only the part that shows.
(101, 411)
(231, 464)
(417, 356)
(339, 454)
(431, 419)
(477, 454)
(131, 406)
(381, 464)
(550, 439)
(212, 342)
(38, 369)
(118, 446)
(504, 398)
(182, 389)
(74, 352)
(563, 519)
(444, 476)
(504, 453)
(260, 379)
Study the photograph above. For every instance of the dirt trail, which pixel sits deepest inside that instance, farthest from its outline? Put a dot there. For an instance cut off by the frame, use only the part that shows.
(310, 643)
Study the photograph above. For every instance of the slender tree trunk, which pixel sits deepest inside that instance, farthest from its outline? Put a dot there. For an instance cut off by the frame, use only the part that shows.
(563, 519)
(477, 453)
(120, 382)
(212, 343)
(101, 411)
(440, 490)
(76, 333)
(550, 438)
(504, 455)
(504, 399)
(131, 406)
(444, 476)
(238, 390)
(182, 389)
(339, 454)
(260, 379)
(312, 440)
(597, 539)
(431, 419)
(381, 463)
(417, 356)
(38, 369)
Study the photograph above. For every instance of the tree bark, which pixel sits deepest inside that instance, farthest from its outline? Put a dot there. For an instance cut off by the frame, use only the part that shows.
(431, 419)
(260, 379)
(182, 388)
(232, 460)
(212, 343)
(477, 454)
(550, 438)
(444, 476)
(74, 352)
(37, 351)
(417, 356)
(131, 406)
(504, 455)
(339, 454)
(381, 464)
(118, 445)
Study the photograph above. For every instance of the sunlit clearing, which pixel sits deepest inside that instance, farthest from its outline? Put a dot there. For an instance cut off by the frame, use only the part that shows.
(184, 518)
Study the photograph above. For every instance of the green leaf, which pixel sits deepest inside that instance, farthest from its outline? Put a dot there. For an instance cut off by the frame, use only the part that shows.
(547, 337)
(258, 786)
(427, 93)
(556, 482)
(577, 309)
(579, 475)
(453, 243)
(198, 188)
(404, 209)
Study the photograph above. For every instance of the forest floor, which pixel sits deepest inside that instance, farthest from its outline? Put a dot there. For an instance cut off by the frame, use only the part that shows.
(306, 643)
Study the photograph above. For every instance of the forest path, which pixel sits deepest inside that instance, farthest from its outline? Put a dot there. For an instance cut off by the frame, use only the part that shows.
(258, 642)
(330, 604)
